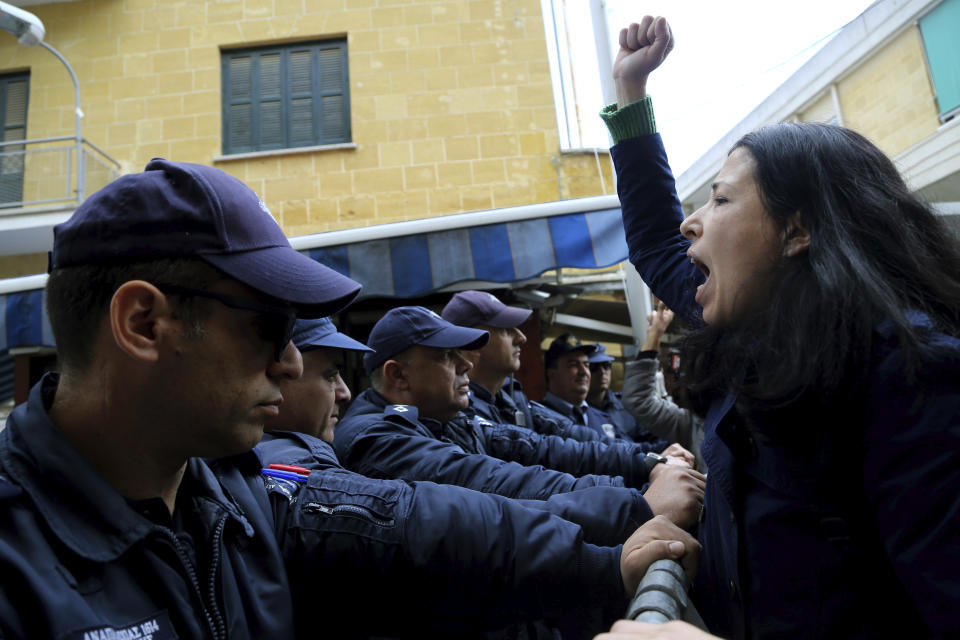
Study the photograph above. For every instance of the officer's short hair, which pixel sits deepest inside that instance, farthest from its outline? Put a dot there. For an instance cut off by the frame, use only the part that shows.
(78, 298)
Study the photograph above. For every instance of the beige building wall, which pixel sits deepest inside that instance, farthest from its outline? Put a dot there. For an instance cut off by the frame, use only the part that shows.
(889, 98)
(823, 110)
(451, 101)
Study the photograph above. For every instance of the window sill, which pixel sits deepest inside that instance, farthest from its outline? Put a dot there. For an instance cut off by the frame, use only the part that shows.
(584, 151)
(284, 152)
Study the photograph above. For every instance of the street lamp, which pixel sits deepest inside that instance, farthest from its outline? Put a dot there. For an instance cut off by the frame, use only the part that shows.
(29, 30)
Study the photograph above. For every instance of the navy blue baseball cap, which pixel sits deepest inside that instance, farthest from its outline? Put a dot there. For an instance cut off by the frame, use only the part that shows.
(600, 355)
(179, 209)
(564, 344)
(314, 333)
(470, 308)
(405, 327)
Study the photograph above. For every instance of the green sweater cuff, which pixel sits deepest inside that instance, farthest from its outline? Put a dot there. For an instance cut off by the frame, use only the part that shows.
(632, 121)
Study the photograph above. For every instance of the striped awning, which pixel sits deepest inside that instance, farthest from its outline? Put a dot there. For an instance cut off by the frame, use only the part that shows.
(415, 258)
(414, 265)
(23, 320)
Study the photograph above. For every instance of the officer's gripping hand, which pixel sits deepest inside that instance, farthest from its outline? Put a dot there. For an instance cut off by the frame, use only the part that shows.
(654, 540)
(677, 493)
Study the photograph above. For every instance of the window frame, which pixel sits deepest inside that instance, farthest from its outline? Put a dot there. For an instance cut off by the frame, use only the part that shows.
(285, 97)
(944, 113)
(14, 178)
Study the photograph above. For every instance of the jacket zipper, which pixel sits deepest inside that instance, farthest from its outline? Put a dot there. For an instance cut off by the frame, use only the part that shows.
(214, 620)
(214, 568)
(350, 510)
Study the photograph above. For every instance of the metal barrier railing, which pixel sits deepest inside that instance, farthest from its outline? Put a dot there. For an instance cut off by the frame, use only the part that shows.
(661, 595)
(46, 171)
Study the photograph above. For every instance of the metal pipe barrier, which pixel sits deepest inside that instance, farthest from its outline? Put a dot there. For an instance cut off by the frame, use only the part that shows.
(661, 595)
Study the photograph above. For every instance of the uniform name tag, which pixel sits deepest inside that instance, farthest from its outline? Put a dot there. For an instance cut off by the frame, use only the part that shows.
(156, 626)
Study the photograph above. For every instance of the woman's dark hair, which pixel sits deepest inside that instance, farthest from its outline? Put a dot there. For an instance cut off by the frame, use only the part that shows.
(877, 252)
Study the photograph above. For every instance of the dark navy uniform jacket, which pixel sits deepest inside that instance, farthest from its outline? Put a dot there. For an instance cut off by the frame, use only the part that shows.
(625, 423)
(515, 408)
(382, 440)
(597, 420)
(862, 541)
(246, 556)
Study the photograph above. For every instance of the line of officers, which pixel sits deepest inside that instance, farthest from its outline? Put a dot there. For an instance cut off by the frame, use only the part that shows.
(141, 498)
(443, 406)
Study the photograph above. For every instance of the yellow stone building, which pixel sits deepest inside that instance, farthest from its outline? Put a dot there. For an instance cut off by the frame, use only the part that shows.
(891, 74)
(450, 105)
(344, 115)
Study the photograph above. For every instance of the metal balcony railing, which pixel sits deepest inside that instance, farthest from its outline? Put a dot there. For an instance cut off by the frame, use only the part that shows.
(46, 172)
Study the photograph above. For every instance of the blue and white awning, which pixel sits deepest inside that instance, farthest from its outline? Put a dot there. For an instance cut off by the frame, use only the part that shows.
(414, 258)
(23, 319)
(406, 266)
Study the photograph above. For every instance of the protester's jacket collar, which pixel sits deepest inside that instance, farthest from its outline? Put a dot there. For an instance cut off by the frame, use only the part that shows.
(36, 456)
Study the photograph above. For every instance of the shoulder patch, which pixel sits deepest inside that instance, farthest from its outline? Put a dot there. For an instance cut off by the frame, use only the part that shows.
(287, 488)
(406, 412)
(481, 422)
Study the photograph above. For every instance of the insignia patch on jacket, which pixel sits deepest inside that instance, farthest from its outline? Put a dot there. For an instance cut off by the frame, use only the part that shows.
(405, 411)
(289, 488)
(156, 626)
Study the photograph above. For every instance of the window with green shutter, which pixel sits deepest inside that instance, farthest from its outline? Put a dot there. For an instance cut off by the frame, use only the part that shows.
(14, 91)
(285, 97)
(941, 38)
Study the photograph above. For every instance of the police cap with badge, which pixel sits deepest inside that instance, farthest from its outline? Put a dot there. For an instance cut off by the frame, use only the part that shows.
(406, 327)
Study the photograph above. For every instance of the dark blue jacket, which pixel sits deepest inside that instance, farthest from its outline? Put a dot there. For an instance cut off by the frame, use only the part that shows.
(515, 408)
(254, 557)
(607, 515)
(625, 422)
(597, 420)
(382, 440)
(793, 548)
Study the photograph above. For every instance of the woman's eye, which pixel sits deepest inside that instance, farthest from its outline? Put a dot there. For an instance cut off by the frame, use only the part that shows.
(719, 200)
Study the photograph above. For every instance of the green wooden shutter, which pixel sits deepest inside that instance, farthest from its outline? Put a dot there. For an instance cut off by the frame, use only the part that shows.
(941, 36)
(285, 97)
(14, 91)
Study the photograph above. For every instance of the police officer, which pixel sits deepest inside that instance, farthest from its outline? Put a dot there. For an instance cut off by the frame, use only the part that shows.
(410, 425)
(312, 403)
(600, 397)
(567, 368)
(494, 393)
(133, 505)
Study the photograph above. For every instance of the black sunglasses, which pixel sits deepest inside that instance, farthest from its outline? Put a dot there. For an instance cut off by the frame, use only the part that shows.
(600, 365)
(275, 326)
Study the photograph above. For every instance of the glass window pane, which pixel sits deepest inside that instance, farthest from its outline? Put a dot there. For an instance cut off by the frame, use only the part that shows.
(940, 30)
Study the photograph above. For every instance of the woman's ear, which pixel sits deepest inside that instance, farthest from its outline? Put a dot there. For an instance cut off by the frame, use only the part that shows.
(796, 238)
(136, 309)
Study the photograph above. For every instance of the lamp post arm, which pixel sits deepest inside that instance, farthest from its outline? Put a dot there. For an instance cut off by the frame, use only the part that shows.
(78, 113)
